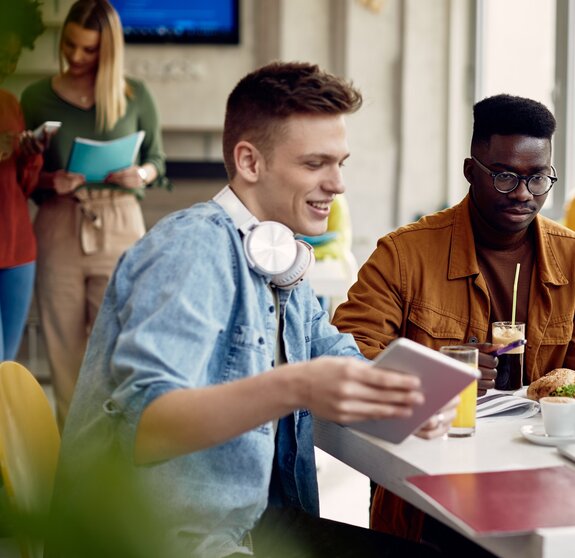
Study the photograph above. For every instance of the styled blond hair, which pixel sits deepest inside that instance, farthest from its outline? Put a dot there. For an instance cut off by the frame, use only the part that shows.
(111, 88)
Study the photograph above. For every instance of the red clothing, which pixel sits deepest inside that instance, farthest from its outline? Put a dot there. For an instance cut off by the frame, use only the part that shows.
(18, 179)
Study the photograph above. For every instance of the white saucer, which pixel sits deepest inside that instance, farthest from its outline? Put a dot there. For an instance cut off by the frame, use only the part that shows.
(536, 434)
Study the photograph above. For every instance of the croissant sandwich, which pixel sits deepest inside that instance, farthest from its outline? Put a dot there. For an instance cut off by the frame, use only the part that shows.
(560, 381)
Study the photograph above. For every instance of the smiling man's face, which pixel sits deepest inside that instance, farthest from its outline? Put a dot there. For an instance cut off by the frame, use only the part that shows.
(299, 181)
(523, 155)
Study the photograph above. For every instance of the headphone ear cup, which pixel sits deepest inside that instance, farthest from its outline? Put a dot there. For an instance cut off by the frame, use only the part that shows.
(303, 262)
(270, 248)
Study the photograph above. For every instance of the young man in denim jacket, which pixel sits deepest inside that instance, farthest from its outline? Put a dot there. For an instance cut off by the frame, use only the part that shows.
(210, 352)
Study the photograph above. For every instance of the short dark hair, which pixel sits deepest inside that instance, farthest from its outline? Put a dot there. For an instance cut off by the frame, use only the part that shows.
(23, 18)
(266, 97)
(508, 115)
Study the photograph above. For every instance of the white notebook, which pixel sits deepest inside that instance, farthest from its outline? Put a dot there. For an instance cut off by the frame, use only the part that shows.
(497, 405)
(442, 378)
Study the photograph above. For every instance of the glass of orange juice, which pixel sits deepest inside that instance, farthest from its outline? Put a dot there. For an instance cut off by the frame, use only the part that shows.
(464, 423)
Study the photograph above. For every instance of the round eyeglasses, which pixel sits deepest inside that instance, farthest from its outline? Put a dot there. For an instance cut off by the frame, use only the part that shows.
(506, 181)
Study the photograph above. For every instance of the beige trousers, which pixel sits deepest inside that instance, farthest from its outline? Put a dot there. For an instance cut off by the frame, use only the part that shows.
(79, 243)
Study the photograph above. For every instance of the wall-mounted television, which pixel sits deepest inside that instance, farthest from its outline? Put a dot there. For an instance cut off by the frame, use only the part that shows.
(179, 21)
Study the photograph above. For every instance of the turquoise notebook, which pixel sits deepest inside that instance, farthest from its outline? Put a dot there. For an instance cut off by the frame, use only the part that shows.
(96, 159)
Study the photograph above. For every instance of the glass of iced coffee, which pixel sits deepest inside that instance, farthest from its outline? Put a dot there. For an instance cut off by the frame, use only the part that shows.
(510, 367)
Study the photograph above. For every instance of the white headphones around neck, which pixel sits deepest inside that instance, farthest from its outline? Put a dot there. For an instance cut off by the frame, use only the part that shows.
(270, 247)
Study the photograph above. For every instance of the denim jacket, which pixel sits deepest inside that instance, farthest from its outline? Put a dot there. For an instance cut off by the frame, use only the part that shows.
(183, 309)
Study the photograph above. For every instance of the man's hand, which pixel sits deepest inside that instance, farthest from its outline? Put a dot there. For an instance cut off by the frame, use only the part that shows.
(439, 424)
(487, 366)
(345, 390)
(340, 389)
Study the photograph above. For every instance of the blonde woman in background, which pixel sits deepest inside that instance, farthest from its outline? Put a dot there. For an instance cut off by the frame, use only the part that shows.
(83, 228)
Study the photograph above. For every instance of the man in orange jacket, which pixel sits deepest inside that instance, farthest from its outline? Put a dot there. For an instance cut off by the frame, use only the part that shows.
(446, 278)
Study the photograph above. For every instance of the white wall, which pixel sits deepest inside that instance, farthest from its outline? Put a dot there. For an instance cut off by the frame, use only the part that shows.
(191, 82)
(374, 63)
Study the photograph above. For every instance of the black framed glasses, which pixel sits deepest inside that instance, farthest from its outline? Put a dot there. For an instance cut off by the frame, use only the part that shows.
(506, 181)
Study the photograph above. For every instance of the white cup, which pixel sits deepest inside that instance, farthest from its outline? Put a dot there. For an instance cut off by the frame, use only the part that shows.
(558, 415)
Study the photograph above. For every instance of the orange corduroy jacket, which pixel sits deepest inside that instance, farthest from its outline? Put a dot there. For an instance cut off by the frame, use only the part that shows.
(423, 282)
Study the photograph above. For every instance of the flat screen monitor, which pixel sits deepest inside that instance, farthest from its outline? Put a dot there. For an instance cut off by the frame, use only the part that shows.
(179, 21)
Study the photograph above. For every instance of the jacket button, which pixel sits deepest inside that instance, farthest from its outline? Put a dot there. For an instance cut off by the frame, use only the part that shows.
(111, 407)
(473, 339)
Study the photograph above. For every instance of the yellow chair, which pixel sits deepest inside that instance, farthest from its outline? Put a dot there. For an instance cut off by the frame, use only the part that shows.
(569, 214)
(29, 447)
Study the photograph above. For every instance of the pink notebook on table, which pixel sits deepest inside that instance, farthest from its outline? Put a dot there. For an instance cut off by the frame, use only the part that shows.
(515, 501)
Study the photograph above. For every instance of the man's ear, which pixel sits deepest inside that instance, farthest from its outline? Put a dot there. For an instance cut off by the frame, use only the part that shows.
(468, 169)
(248, 161)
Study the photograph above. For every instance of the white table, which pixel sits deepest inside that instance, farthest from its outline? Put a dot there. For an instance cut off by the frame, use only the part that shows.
(497, 445)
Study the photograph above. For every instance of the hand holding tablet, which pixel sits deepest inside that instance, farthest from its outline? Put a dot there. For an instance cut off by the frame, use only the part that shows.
(442, 378)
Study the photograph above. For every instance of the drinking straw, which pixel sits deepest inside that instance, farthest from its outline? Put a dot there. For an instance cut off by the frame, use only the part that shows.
(515, 295)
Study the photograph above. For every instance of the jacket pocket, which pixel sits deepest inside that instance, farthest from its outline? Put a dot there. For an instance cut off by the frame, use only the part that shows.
(559, 331)
(553, 349)
(434, 328)
(248, 353)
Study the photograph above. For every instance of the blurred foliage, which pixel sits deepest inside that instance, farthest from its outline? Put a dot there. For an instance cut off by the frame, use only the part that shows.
(99, 512)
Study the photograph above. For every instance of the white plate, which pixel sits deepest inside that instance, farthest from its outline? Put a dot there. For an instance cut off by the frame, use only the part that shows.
(536, 434)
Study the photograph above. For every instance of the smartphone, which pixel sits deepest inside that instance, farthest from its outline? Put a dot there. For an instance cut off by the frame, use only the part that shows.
(48, 127)
(567, 451)
(510, 347)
